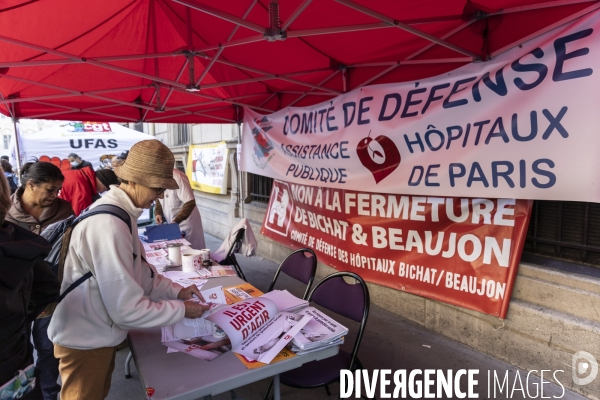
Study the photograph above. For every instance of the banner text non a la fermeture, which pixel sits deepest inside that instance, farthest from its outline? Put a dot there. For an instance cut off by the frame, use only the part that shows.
(453, 249)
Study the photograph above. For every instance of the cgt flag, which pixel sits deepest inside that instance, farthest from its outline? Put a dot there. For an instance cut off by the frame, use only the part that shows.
(462, 251)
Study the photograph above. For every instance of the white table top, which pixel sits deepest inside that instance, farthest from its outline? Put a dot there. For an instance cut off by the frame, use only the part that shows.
(181, 376)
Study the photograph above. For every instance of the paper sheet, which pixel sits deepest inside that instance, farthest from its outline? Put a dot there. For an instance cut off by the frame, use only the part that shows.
(185, 278)
(272, 337)
(163, 245)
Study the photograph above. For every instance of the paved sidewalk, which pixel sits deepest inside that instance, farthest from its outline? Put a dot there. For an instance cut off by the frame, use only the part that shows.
(390, 342)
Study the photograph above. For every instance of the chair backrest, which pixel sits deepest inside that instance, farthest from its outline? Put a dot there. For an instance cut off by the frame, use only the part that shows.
(236, 246)
(349, 300)
(300, 265)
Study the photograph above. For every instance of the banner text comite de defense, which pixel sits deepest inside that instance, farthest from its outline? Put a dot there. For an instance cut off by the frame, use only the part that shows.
(522, 125)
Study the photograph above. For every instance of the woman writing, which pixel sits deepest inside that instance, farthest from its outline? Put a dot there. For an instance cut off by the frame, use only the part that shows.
(124, 291)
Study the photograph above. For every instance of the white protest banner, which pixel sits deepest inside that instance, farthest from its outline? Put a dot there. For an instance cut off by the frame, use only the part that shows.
(89, 140)
(523, 125)
(207, 167)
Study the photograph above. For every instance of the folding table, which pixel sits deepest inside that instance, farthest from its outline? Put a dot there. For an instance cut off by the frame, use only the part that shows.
(181, 376)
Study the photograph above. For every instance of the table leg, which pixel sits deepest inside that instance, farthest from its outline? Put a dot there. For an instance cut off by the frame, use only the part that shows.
(276, 393)
(127, 365)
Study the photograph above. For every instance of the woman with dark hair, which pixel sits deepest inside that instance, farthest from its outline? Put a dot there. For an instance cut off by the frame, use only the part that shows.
(26, 286)
(35, 205)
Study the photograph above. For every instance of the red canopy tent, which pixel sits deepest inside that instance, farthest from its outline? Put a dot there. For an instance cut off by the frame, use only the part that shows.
(200, 61)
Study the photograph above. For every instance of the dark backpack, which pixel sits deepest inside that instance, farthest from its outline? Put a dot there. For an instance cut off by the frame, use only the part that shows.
(59, 236)
(12, 184)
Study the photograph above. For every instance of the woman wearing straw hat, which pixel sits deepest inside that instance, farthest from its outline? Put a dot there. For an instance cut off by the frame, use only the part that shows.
(124, 292)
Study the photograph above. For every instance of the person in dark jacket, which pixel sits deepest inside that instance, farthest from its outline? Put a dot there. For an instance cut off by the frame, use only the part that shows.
(27, 286)
(35, 206)
(13, 182)
(77, 162)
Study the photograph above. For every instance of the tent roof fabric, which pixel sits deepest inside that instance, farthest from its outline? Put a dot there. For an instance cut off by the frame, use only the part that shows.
(201, 61)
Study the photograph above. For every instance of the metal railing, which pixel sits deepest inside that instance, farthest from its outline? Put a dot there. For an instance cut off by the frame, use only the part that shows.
(565, 229)
(260, 188)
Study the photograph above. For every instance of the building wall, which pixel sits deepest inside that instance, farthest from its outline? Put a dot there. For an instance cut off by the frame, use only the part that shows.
(552, 314)
(27, 126)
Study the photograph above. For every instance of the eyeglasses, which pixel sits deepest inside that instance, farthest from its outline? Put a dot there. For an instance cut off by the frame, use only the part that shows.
(158, 191)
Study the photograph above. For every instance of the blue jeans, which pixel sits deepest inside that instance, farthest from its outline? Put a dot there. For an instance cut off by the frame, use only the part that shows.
(46, 364)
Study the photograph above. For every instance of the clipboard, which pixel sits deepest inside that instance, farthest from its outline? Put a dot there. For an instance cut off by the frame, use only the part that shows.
(157, 233)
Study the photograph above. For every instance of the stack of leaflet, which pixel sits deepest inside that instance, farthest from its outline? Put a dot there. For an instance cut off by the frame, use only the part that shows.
(286, 301)
(320, 332)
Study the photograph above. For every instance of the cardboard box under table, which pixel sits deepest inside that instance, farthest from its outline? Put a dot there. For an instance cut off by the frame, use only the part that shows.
(183, 377)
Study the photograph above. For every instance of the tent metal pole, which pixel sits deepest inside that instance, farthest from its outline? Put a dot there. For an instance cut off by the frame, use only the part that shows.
(268, 75)
(240, 173)
(88, 61)
(371, 79)
(563, 21)
(267, 100)
(221, 48)
(50, 114)
(114, 116)
(75, 93)
(17, 149)
(337, 29)
(22, 99)
(207, 103)
(443, 37)
(168, 94)
(312, 91)
(222, 14)
(295, 14)
(8, 109)
(539, 6)
(407, 28)
(121, 89)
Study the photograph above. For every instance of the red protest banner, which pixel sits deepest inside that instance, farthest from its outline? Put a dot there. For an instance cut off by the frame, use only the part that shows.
(462, 251)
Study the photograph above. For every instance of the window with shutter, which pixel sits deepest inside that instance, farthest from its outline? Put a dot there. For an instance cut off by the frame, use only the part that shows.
(566, 230)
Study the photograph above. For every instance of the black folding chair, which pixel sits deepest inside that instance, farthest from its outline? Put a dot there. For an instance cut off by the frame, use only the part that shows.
(349, 300)
(236, 247)
(300, 265)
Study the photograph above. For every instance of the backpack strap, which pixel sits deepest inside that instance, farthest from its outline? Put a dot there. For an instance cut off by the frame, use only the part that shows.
(106, 209)
(101, 209)
(75, 284)
(24, 225)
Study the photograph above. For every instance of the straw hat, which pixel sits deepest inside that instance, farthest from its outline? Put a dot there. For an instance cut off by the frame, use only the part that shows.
(149, 163)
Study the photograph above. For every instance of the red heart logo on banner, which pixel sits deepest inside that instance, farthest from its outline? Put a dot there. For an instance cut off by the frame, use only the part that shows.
(379, 155)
